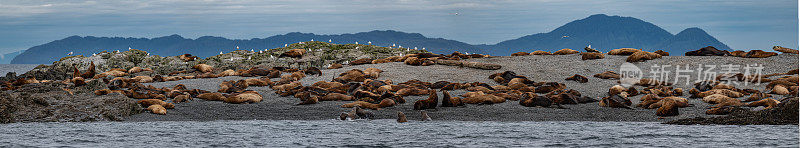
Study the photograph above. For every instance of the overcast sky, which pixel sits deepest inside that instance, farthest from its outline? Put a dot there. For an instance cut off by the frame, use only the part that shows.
(751, 24)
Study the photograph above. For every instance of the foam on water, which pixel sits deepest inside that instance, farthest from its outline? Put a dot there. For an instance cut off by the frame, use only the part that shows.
(372, 133)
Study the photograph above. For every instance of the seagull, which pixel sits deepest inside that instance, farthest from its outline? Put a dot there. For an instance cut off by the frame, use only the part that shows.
(399, 46)
(285, 45)
(259, 52)
(312, 40)
(70, 53)
(423, 48)
(117, 51)
(369, 42)
(329, 40)
(129, 48)
(148, 54)
(590, 46)
(357, 47)
(393, 45)
(301, 42)
(466, 53)
(415, 48)
(251, 50)
(356, 42)
(220, 52)
(248, 58)
(271, 57)
(564, 36)
(237, 47)
(94, 54)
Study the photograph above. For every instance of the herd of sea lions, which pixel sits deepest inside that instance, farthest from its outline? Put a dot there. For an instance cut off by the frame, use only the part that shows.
(363, 90)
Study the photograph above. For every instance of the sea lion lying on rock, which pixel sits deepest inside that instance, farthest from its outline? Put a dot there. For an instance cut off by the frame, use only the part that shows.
(335, 66)
(767, 103)
(138, 70)
(157, 109)
(373, 73)
(187, 57)
(530, 99)
(361, 61)
(448, 101)
(616, 101)
(204, 68)
(784, 50)
(293, 53)
(662, 53)
(245, 97)
(758, 54)
(520, 54)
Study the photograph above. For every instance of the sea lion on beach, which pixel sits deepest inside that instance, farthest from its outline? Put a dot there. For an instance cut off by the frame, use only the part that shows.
(384, 60)
(641, 56)
(623, 51)
(448, 101)
(204, 68)
(414, 61)
(245, 97)
(608, 75)
(361, 61)
(616, 101)
(578, 78)
(148, 102)
(101, 92)
(285, 87)
(138, 70)
(429, 103)
(182, 98)
(718, 98)
(520, 54)
(726, 92)
(412, 92)
(720, 110)
(401, 118)
(708, 51)
(530, 99)
(757, 96)
(425, 116)
(293, 53)
(157, 109)
(214, 96)
(312, 71)
(142, 79)
(592, 55)
(759, 54)
(780, 90)
(539, 52)
(90, 72)
(113, 72)
(365, 104)
(565, 51)
(373, 73)
(668, 108)
(78, 81)
(481, 98)
(767, 103)
(784, 50)
(739, 53)
(335, 66)
(616, 89)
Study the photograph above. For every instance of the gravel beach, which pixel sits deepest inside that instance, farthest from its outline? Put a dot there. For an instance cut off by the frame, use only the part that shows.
(550, 68)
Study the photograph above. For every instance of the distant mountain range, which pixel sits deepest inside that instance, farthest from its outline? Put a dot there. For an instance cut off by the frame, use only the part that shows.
(6, 58)
(601, 31)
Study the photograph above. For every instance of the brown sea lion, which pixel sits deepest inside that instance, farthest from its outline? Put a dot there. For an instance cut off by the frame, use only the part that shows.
(757, 96)
(539, 52)
(641, 56)
(623, 51)
(616, 101)
(662, 53)
(293, 53)
(759, 54)
(608, 75)
(204, 68)
(720, 111)
(215, 96)
(729, 93)
(429, 103)
(668, 108)
(616, 89)
(448, 101)
(718, 98)
(101, 92)
(361, 61)
(335, 66)
(373, 73)
(592, 55)
(401, 118)
(245, 97)
(767, 103)
(565, 51)
(530, 99)
(148, 102)
(780, 90)
(138, 70)
(157, 109)
(78, 81)
(182, 98)
(784, 50)
(187, 57)
(384, 60)
(578, 78)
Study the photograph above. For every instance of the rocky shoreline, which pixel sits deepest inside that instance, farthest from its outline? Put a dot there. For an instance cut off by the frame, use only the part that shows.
(59, 97)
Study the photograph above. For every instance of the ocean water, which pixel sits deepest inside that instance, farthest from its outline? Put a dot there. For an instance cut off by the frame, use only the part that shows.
(18, 68)
(388, 133)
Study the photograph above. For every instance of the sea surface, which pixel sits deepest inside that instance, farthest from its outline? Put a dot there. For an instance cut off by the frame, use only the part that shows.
(18, 68)
(388, 133)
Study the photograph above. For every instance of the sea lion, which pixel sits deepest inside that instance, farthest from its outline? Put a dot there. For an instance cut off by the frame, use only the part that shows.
(425, 116)
(608, 75)
(708, 51)
(384, 60)
(565, 51)
(401, 118)
(309, 100)
(182, 98)
(718, 98)
(720, 111)
(363, 104)
(78, 81)
(784, 50)
(245, 97)
(258, 82)
(101, 92)
(482, 98)
(293, 53)
(335, 66)
(138, 70)
(204, 68)
(448, 101)
(414, 61)
(578, 78)
(757, 96)
(429, 103)
(361, 61)
(767, 103)
(412, 92)
(616, 89)
(520, 54)
(623, 51)
(187, 57)
(285, 87)
(530, 99)
(114, 73)
(590, 49)
(215, 96)
(616, 101)
(142, 79)
(739, 53)
(373, 73)
(759, 54)
(729, 93)
(539, 52)
(312, 71)
(668, 108)
(662, 53)
(592, 55)
(641, 56)
(157, 109)
(148, 102)
(780, 90)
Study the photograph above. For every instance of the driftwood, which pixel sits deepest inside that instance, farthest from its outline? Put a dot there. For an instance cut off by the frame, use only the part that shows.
(477, 65)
